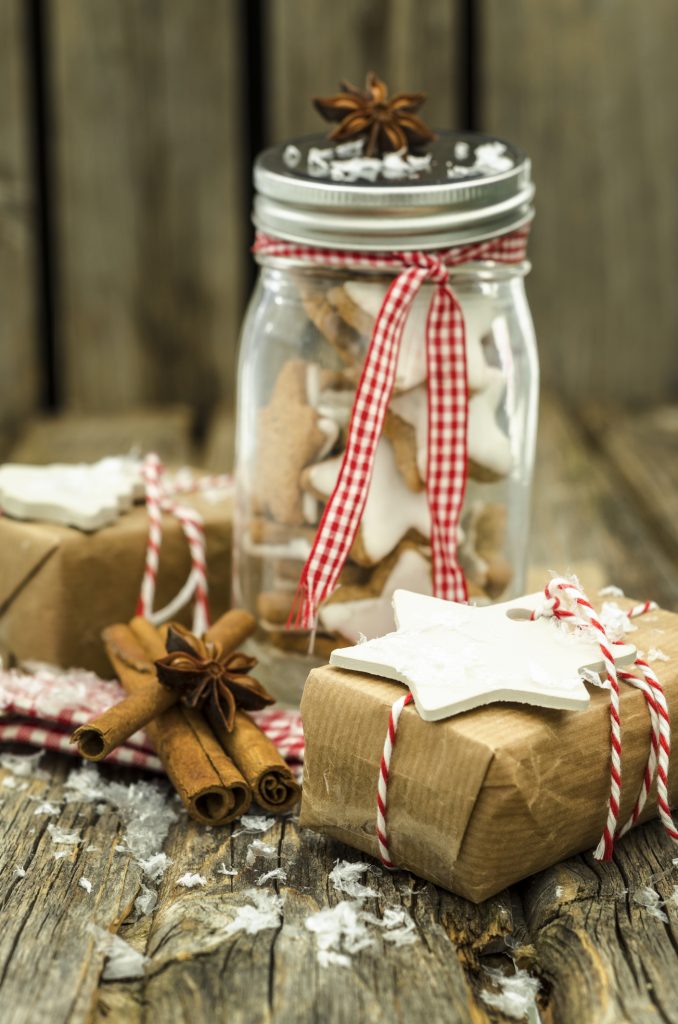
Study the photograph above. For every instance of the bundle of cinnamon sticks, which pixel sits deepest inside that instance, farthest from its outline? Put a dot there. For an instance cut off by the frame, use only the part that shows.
(218, 760)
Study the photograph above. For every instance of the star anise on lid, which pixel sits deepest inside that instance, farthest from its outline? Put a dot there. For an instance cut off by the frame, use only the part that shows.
(204, 673)
(387, 124)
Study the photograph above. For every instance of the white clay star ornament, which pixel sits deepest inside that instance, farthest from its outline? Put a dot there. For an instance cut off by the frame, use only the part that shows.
(454, 657)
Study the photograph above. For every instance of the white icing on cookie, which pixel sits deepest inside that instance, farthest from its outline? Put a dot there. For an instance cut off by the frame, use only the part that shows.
(391, 508)
(373, 616)
(488, 445)
(411, 371)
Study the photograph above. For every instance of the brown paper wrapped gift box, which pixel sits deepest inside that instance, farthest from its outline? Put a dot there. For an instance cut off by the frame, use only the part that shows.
(484, 799)
(60, 587)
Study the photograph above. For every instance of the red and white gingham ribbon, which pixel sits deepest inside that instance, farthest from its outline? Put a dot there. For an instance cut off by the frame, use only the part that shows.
(159, 499)
(565, 600)
(447, 406)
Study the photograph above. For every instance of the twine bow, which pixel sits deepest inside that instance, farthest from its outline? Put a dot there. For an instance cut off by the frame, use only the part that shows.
(447, 407)
(203, 672)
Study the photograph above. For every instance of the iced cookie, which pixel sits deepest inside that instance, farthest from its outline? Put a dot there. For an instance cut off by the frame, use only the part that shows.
(365, 299)
(489, 449)
(355, 611)
(392, 510)
(481, 551)
(290, 435)
(348, 343)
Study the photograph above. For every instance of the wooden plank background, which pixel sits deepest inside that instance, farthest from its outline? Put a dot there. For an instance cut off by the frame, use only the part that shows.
(148, 112)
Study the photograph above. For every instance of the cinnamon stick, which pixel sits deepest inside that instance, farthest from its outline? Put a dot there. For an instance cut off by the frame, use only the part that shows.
(109, 730)
(210, 786)
(255, 755)
(266, 772)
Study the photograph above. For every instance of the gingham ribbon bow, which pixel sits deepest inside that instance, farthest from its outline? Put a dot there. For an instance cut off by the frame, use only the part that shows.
(447, 407)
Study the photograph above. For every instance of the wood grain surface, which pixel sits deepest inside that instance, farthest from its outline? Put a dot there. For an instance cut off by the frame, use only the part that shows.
(150, 224)
(582, 928)
(309, 50)
(583, 87)
(20, 378)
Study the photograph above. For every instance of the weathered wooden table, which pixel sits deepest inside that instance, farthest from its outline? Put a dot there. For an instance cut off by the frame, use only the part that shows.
(606, 506)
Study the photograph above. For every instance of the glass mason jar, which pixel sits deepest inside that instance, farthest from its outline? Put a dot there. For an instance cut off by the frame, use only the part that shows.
(304, 345)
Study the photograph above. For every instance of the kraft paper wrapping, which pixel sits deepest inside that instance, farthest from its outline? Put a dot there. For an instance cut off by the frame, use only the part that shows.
(481, 800)
(59, 587)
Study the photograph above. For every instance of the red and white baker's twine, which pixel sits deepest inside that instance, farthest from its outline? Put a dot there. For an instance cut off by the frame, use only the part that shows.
(160, 499)
(447, 407)
(565, 600)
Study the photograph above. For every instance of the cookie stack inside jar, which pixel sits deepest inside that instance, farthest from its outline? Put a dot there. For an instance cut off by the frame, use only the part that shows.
(337, 226)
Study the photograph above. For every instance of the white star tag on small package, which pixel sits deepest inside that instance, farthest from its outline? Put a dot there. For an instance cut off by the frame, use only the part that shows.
(88, 496)
(455, 657)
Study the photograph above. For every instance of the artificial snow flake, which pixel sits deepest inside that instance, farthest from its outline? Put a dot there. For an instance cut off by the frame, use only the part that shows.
(60, 854)
(146, 901)
(276, 874)
(122, 961)
(651, 901)
(258, 848)
(191, 881)
(517, 993)
(155, 866)
(9, 782)
(85, 884)
(616, 621)
(611, 591)
(63, 835)
(254, 823)
(46, 807)
(339, 930)
(345, 877)
(23, 764)
(223, 870)
(265, 911)
(19, 872)
(656, 654)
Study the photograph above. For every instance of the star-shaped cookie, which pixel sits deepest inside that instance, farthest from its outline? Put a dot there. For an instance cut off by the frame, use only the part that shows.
(455, 657)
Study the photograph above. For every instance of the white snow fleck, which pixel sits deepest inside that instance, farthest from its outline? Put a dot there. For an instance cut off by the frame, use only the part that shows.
(24, 764)
(461, 150)
(616, 621)
(651, 901)
(399, 928)
(223, 870)
(339, 930)
(656, 654)
(265, 911)
(345, 877)
(155, 866)
(85, 884)
(191, 881)
(63, 835)
(19, 872)
(122, 961)
(517, 993)
(9, 782)
(258, 848)
(276, 874)
(46, 807)
(610, 591)
(60, 854)
(254, 823)
(146, 901)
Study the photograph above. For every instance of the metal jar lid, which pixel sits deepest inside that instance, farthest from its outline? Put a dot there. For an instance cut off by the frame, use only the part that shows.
(465, 188)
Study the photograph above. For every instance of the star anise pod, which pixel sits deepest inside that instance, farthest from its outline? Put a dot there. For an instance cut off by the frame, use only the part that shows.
(387, 124)
(204, 673)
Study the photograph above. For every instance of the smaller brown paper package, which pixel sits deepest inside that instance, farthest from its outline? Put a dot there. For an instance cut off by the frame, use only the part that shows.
(59, 587)
(481, 800)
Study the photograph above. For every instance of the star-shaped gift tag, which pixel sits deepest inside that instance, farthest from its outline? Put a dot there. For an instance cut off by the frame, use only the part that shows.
(454, 657)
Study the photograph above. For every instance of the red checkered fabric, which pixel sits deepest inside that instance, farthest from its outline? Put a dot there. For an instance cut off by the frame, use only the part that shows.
(42, 708)
(447, 407)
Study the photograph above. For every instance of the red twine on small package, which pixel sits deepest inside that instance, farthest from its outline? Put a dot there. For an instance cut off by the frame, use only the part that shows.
(160, 498)
(447, 407)
(565, 600)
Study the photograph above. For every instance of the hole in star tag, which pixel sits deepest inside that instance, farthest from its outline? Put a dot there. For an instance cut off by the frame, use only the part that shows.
(519, 614)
